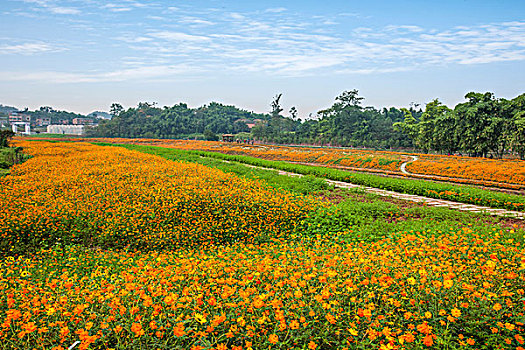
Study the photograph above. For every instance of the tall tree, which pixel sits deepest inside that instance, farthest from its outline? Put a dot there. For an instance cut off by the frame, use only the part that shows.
(275, 122)
(409, 126)
(115, 109)
(434, 111)
(480, 124)
(517, 138)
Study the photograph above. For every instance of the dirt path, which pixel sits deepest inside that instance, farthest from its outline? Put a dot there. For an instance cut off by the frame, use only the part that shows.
(414, 198)
(404, 165)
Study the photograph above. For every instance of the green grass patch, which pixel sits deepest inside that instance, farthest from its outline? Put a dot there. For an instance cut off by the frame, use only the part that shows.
(10, 156)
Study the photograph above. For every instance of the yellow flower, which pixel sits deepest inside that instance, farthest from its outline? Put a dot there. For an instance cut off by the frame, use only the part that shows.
(455, 312)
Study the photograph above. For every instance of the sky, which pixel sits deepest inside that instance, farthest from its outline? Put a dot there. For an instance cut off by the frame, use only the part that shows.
(82, 56)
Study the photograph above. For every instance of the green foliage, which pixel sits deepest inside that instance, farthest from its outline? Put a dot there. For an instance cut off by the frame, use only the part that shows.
(346, 123)
(5, 136)
(10, 156)
(56, 116)
(210, 135)
(481, 126)
(179, 121)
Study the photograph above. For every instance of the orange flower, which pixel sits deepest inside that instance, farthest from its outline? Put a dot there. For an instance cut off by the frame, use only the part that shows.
(455, 312)
(64, 331)
(178, 331)
(428, 340)
(312, 345)
(273, 338)
(137, 329)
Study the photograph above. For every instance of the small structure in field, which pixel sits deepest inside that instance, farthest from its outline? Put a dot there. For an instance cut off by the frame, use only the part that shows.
(227, 138)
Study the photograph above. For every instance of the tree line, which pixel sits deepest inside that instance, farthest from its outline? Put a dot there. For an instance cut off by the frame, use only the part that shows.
(345, 123)
(148, 120)
(480, 127)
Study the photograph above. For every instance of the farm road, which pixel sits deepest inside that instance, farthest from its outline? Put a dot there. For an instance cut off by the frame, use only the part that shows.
(404, 165)
(414, 198)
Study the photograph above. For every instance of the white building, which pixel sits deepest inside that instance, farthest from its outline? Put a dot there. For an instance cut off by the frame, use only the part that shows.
(66, 129)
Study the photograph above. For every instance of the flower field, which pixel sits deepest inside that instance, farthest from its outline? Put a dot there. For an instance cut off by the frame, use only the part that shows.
(503, 173)
(448, 191)
(112, 197)
(365, 159)
(414, 291)
(496, 170)
(116, 249)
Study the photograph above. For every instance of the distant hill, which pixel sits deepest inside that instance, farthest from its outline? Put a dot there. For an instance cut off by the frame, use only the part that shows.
(7, 109)
(56, 116)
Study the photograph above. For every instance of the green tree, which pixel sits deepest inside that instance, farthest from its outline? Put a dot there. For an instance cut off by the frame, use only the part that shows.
(444, 137)
(5, 136)
(210, 135)
(428, 133)
(479, 124)
(517, 135)
(409, 126)
(115, 109)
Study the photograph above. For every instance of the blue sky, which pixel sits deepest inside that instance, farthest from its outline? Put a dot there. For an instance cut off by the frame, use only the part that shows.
(84, 55)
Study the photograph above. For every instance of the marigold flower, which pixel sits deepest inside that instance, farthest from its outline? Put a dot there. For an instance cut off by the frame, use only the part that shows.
(273, 338)
(178, 331)
(455, 312)
(137, 329)
(428, 340)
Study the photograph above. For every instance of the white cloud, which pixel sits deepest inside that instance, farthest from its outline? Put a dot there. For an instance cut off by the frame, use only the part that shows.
(28, 48)
(117, 7)
(195, 21)
(52, 7)
(274, 41)
(276, 10)
(178, 36)
(248, 43)
(138, 73)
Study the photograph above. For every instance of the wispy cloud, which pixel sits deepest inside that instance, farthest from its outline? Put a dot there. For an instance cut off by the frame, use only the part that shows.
(276, 10)
(139, 73)
(274, 41)
(53, 7)
(178, 36)
(291, 47)
(28, 48)
(117, 7)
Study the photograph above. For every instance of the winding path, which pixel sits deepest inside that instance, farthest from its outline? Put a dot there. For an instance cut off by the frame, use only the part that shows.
(413, 198)
(404, 165)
